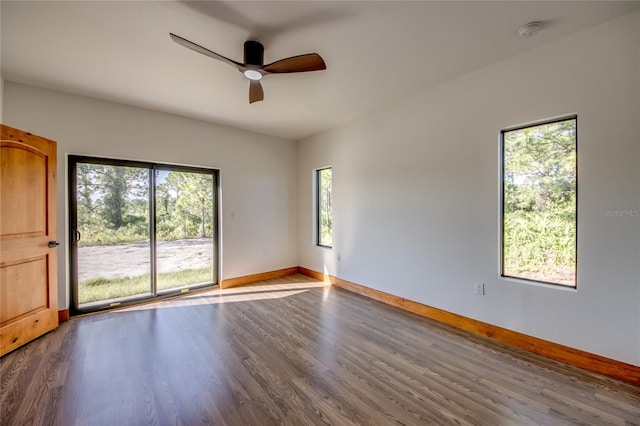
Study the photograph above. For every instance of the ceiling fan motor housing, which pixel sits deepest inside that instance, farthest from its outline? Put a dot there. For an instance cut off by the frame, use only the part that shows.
(253, 53)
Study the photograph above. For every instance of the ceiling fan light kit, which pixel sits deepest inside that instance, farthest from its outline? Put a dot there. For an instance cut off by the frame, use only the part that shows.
(253, 67)
(253, 74)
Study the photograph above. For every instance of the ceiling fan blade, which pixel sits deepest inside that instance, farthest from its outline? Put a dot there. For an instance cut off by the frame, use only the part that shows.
(255, 91)
(302, 63)
(186, 43)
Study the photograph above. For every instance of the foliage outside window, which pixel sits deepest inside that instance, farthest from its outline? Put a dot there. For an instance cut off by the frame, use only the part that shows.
(113, 204)
(323, 203)
(184, 205)
(539, 202)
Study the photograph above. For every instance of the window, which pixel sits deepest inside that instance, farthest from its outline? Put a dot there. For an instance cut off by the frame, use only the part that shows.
(539, 202)
(324, 220)
(139, 230)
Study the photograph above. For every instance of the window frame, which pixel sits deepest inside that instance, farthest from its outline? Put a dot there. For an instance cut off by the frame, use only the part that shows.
(527, 280)
(317, 213)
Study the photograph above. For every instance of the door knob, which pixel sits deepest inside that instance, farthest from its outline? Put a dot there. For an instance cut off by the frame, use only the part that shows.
(53, 244)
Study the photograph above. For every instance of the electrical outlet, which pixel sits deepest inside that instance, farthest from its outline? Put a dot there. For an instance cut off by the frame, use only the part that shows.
(479, 289)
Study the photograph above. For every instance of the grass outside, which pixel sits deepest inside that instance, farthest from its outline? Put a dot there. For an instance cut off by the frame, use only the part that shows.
(97, 289)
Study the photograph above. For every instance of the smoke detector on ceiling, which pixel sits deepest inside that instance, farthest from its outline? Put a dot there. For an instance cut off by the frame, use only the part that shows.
(529, 30)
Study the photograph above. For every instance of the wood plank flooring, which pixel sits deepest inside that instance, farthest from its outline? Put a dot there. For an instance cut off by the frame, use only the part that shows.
(297, 353)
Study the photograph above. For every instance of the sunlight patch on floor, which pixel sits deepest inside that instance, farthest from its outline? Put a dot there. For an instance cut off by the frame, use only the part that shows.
(246, 293)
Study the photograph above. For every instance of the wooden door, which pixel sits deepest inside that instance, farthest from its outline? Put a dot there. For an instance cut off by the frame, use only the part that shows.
(28, 281)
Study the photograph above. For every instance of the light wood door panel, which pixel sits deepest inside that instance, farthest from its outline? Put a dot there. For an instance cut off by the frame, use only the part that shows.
(24, 191)
(21, 287)
(28, 281)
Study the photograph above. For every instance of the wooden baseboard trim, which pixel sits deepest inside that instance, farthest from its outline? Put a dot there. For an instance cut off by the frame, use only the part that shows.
(588, 361)
(249, 279)
(313, 274)
(63, 316)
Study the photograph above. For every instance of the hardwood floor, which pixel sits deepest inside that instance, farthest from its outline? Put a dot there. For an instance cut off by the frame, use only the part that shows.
(293, 352)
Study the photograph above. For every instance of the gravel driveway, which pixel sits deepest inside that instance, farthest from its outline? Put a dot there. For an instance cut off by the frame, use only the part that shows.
(130, 260)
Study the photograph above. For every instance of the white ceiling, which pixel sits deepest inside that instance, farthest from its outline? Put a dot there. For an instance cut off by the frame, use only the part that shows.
(375, 51)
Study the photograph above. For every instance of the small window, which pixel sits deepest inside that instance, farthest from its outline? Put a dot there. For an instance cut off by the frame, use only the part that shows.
(324, 220)
(539, 202)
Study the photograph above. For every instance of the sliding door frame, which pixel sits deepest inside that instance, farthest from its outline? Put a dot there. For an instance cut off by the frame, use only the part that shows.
(72, 162)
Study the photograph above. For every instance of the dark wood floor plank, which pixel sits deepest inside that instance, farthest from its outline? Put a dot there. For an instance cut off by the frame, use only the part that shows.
(291, 351)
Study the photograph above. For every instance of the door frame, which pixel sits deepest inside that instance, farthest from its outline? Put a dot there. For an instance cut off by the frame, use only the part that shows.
(72, 161)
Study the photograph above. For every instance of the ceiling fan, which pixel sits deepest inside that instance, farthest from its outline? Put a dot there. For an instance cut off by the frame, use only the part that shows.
(253, 67)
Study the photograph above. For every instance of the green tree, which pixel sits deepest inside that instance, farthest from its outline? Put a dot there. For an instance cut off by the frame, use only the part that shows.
(186, 209)
(540, 171)
(85, 188)
(113, 204)
(124, 194)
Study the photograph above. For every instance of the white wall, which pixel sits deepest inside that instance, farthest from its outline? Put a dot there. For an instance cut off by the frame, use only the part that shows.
(416, 192)
(258, 172)
(1, 99)
(1, 81)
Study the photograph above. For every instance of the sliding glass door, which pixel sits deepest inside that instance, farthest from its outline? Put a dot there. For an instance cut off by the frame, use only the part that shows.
(139, 230)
